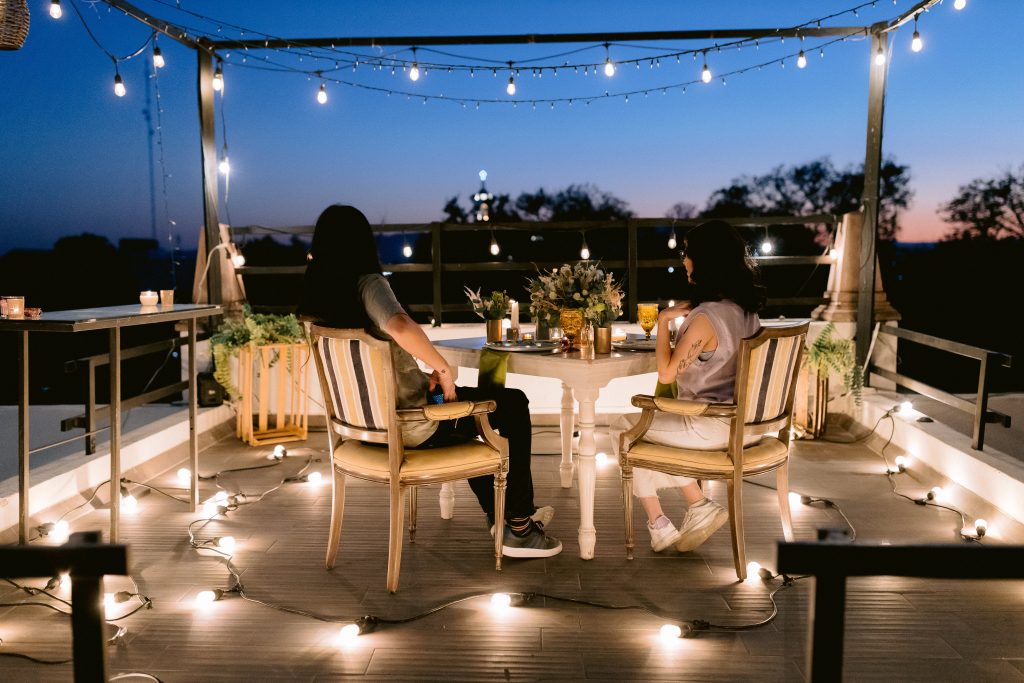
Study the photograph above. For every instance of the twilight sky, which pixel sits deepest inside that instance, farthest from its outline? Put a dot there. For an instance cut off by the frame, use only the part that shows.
(76, 158)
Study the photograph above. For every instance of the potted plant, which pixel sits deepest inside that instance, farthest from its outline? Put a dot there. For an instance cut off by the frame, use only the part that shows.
(250, 329)
(575, 295)
(822, 357)
(492, 309)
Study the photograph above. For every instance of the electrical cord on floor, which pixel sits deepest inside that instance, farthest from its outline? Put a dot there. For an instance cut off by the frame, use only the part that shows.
(811, 500)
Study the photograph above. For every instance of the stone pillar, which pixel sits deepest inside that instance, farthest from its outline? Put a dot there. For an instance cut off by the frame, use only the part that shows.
(843, 278)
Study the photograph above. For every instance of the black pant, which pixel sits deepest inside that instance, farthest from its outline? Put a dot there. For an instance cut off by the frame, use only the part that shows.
(511, 419)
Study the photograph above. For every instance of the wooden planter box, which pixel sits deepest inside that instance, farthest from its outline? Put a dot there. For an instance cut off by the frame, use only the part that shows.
(288, 404)
(810, 404)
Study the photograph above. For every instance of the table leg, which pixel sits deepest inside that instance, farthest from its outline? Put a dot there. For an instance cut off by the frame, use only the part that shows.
(23, 440)
(586, 471)
(115, 433)
(566, 424)
(193, 416)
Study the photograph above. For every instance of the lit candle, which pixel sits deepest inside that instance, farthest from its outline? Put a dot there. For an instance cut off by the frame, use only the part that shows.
(618, 334)
(515, 314)
(148, 298)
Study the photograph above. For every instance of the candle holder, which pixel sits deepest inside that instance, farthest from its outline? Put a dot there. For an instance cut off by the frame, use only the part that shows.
(148, 298)
(15, 307)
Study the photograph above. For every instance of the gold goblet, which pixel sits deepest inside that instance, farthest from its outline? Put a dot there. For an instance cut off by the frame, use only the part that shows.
(571, 320)
(647, 316)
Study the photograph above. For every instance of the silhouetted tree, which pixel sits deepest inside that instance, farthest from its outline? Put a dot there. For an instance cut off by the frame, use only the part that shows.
(453, 213)
(574, 203)
(988, 208)
(682, 211)
(814, 187)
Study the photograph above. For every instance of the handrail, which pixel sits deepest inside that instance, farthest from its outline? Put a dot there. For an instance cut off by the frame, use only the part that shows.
(831, 562)
(630, 266)
(979, 407)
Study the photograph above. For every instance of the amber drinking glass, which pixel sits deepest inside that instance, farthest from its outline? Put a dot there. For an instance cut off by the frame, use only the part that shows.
(647, 316)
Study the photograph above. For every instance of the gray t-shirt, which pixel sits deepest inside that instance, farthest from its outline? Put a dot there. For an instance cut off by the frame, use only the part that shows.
(411, 383)
(714, 377)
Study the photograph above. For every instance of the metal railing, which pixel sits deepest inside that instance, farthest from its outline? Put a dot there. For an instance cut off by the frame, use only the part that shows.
(989, 360)
(632, 264)
(832, 562)
(94, 413)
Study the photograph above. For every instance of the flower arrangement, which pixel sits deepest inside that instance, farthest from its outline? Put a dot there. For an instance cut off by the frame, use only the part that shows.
(581, 285)
(493, 307)
(255, 328)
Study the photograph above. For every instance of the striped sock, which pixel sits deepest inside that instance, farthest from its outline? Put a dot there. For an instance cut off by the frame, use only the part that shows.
(520, 526)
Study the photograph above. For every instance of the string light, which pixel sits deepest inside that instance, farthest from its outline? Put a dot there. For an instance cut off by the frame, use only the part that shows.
(915, 41)
(158, 58)
(348, 633)
(753, 571)
(672, 239)
(314, 478)
(766, 246)
(609, 66)
(959, 4)
(218, 78)
(119, 88)
(237, 260)
(935, 493)
(224, 166)
(184, 475)
(705, 73)
(226, 543)
(511, 87)
(500, 601)
(670, 632)
(414, 72)
(495, 249)
(980, 527)
(879, 57)
(584, 249)
(208, 596)
(901, 463)
(801, 60)
(321, 95)
(128, 502)
(56, 11)
(406, 250)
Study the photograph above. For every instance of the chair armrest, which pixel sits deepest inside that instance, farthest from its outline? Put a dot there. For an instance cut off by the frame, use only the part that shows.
(446, 411)
(682, 406)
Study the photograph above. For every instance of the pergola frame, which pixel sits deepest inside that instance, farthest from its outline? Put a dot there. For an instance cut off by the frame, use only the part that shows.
(879, 33)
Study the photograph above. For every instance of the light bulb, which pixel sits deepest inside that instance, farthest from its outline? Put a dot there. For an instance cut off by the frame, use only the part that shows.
(348, 633)
(670, 632)
(208, 596)
(220, 496)
(936, 492)
(65, 580)
(210, 508)
(980, 526)
(218, 79)
(609, 67)
(906, 407)
(794, 498)
(321, 95)
(501, 600)
(801, 60)
(601, 459)
(414, 72)
(279, 451)
(238, 260)
(901, 462)
(224, 166)
(915, 42)
(511, 87)
(407, 251)
(226, 543)
(158, 58)
(55, 9)
(129, 504)
(880, 56)
(185, 475)
(495, 249)
(108, 601)
(314, 477)
(705, 74)
(959, 4)
(61, 527)
(766, 247)
(119, 88)
(671, 269)
(752, 570)
(585, 253)
(672, 241)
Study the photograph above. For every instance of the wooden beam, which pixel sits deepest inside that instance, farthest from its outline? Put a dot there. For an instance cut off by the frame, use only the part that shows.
(168, 29)
(208, 150)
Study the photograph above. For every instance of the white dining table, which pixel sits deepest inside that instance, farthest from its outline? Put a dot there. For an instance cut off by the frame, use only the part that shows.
(582, 380)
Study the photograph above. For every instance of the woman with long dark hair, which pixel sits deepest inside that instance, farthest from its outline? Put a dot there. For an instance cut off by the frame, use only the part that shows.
(344, 287)
(725, 295)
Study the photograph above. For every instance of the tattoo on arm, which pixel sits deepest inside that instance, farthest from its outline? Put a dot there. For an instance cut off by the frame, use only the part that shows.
(690, 356)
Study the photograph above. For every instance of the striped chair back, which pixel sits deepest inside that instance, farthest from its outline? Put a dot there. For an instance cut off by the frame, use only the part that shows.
(356, 368)
(771, 369)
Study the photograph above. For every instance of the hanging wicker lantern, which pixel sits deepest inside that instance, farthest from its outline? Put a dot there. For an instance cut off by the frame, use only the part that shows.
(13, 24)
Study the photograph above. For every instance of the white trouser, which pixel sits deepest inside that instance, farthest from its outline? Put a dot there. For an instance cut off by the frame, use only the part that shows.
(697, 433)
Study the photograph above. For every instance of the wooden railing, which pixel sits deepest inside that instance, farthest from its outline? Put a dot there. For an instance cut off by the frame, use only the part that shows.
(632, 264)
(989, 360)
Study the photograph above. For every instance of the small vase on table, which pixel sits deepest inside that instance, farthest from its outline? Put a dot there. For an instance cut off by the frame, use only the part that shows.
(494, 330)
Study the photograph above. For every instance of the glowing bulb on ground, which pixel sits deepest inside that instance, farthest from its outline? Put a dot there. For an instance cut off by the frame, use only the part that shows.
(210, 509)
(224, 166)
(407, 251)
(279, 451)
(208, 596)
(226, 543)
(55, 9)
(959, 4)
(184, 475)
(348, 633)
(414, 72)
(705, 74)
(915, 43)
(501, 600)
(801, 60)
(766, 247)
(880, 56)
(935, 493)
(511, 87)
(129, 504)
(980, 526)
(218, 79)
(752, 570)
(61, 527)
(108, 602)
(119, 88)
(158, 58)
(905, 407)
(314, 477)
(609, 68)
(601, 459)
(794, 498)
(901, 462)
(670, 632)
(65, 580)
(321, 95)
(220, 496)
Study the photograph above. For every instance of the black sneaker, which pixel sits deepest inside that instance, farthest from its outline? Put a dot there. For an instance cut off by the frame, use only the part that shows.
(534, 544)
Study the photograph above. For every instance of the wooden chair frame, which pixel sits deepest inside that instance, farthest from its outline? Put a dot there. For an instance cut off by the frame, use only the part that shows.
(739, 429)
(398, 480)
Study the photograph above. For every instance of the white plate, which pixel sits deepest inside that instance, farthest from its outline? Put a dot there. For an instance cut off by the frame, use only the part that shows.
(635, 344)
(524, 347)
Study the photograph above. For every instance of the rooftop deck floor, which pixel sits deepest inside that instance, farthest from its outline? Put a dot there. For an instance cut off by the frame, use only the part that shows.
(903, 629)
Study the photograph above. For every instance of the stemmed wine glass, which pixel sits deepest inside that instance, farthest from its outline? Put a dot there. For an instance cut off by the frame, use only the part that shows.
(647, 316)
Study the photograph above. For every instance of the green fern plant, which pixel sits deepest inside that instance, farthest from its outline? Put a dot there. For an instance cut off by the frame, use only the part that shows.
(251, 328)
(827, 353)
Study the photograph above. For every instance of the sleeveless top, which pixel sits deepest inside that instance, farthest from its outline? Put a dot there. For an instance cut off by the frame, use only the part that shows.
(714, 378)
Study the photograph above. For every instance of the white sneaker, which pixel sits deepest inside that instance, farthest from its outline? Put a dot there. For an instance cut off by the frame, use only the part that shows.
(700, 522)
(663, 536)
